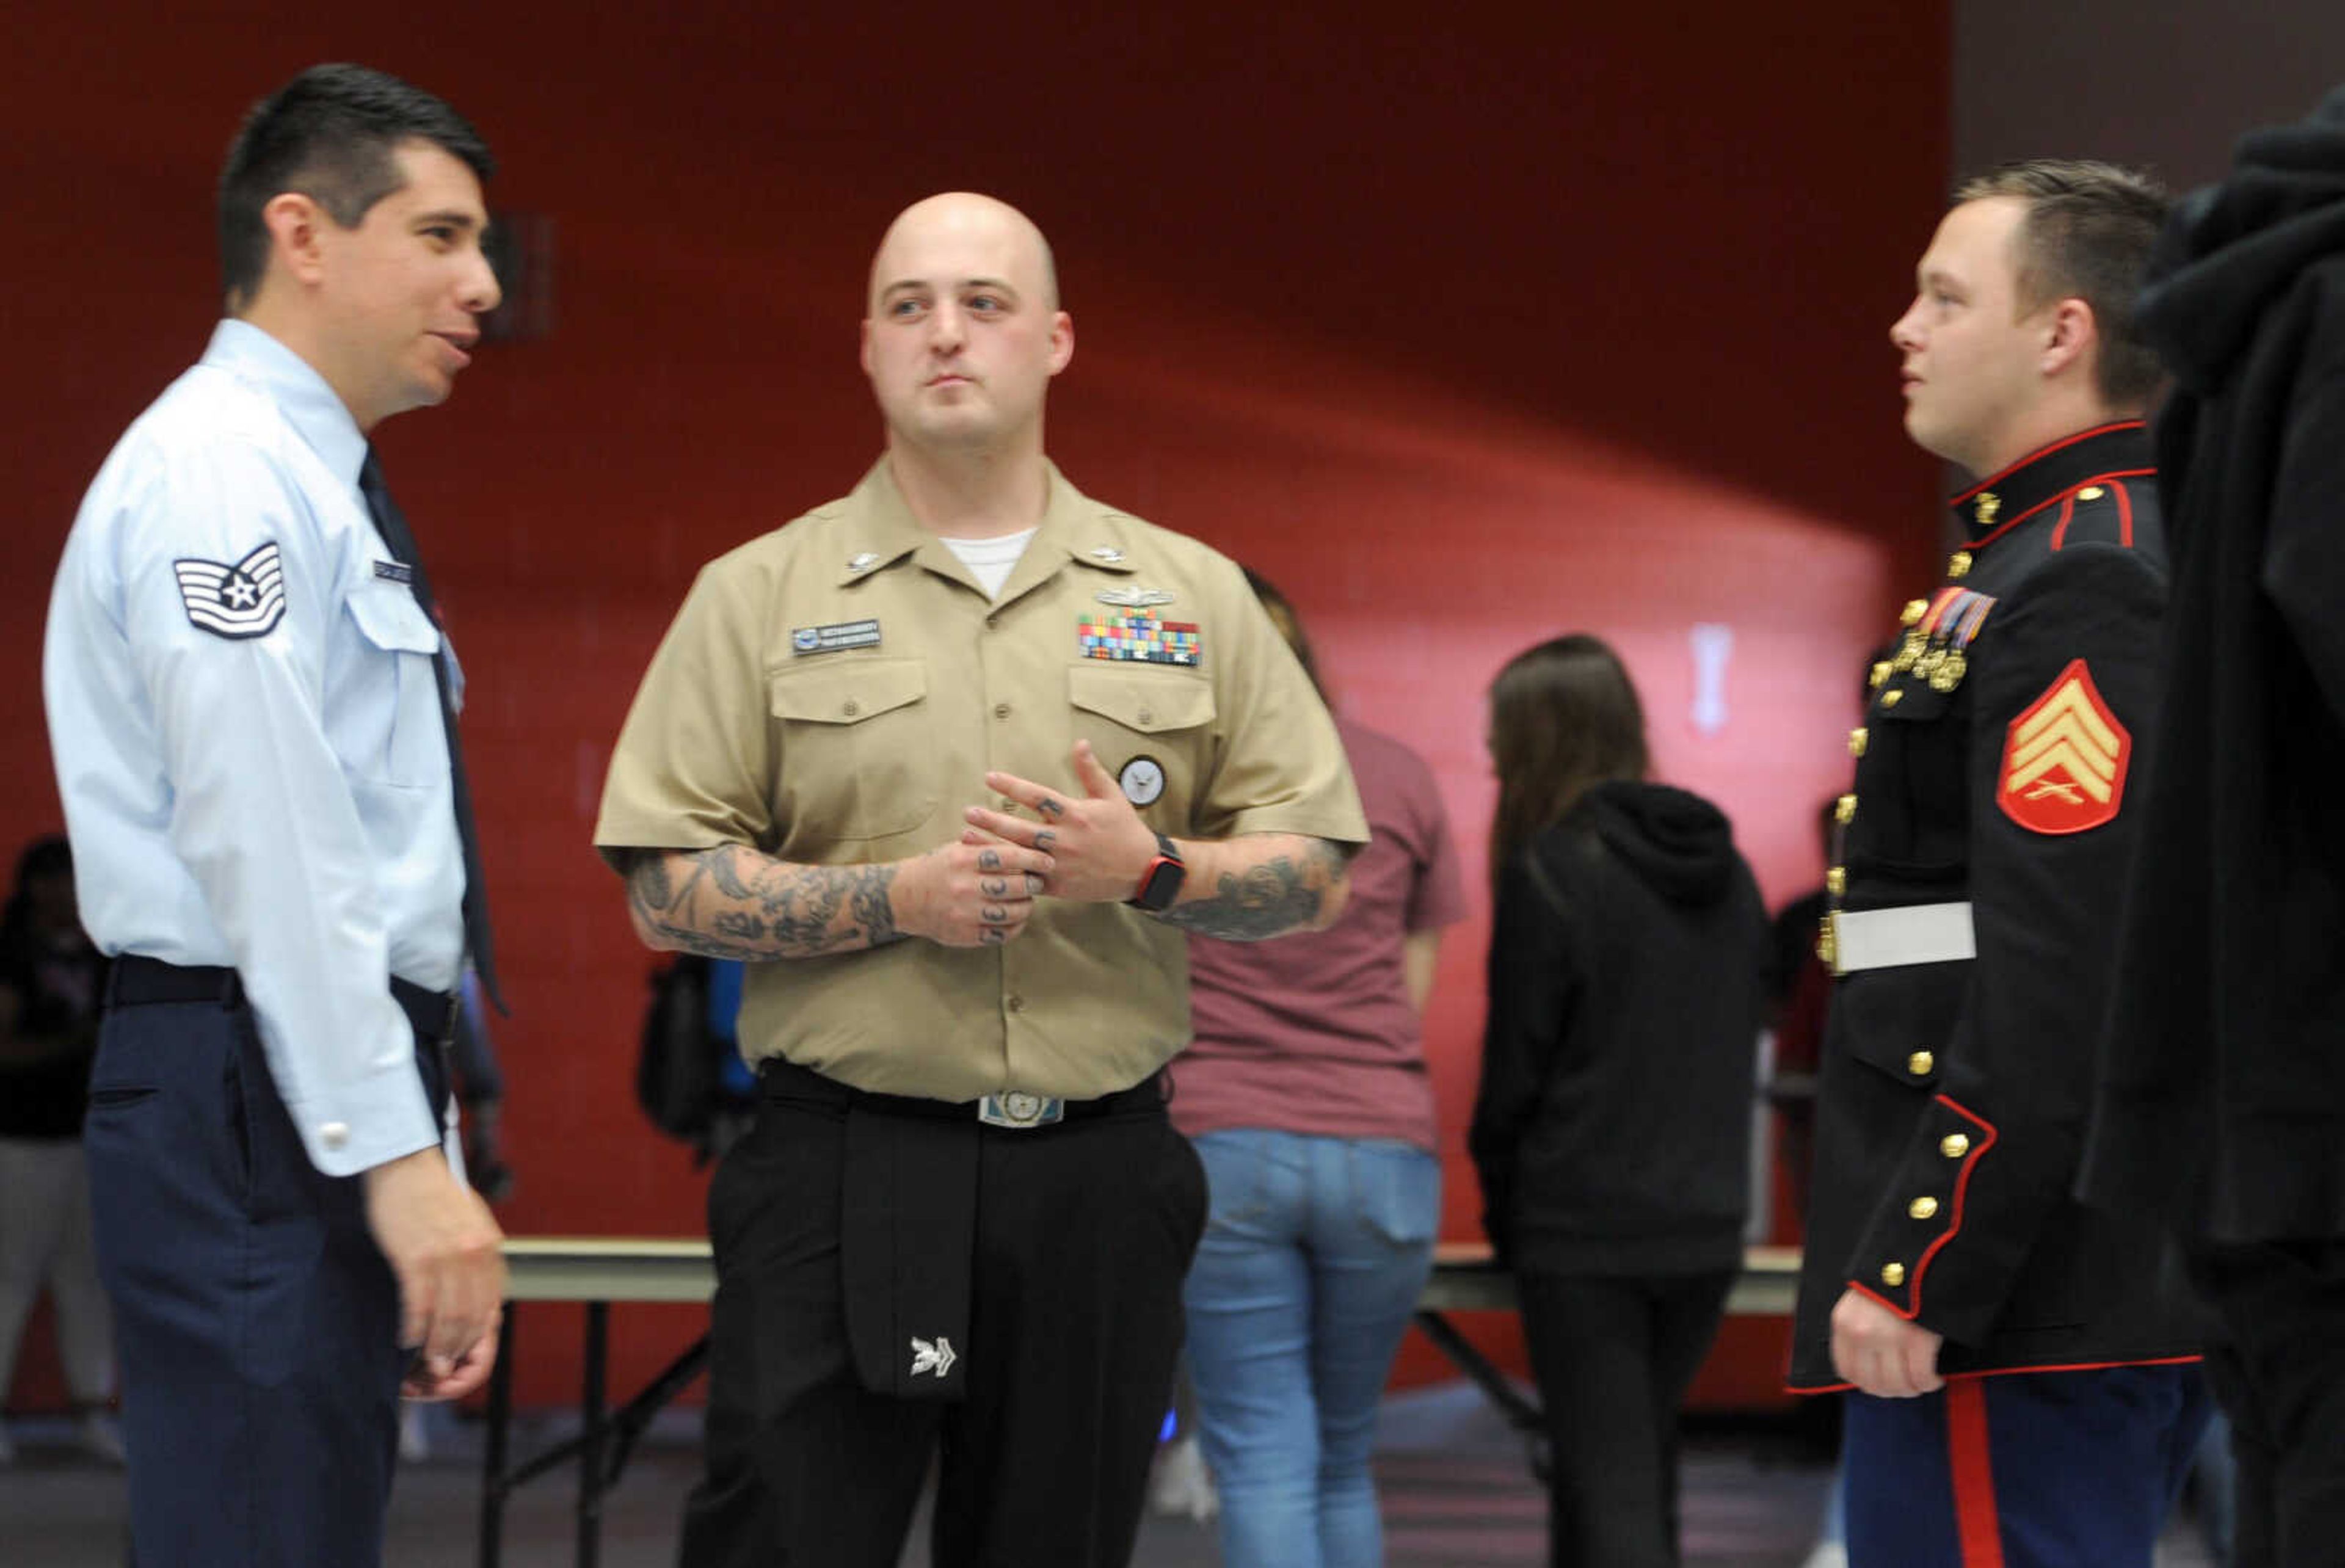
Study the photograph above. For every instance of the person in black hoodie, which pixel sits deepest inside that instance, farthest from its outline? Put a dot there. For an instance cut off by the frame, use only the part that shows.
(2221, 1102)
(1612, 1130)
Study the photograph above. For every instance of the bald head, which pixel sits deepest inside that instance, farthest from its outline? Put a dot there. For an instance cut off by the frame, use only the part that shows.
(966, 225)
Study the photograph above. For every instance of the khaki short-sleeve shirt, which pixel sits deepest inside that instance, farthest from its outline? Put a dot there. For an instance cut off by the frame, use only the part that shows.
(834, 693)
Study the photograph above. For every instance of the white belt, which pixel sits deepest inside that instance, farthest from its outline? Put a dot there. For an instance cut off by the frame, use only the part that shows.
(1886, 938)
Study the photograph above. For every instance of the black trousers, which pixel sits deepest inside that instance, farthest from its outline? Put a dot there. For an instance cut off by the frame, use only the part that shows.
(1613, 1357)
(2277, 1368)
(256, 1321)
(1084, 1232)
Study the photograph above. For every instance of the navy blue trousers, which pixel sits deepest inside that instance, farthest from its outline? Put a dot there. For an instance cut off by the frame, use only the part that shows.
(2027, 1470)
(256, 1323)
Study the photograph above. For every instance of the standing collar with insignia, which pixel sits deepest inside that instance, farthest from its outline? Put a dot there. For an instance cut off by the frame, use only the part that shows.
(2002, 502)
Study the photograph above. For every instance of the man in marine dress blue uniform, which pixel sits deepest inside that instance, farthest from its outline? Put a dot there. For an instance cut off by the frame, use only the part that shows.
(254, 738)
(2022, 1366)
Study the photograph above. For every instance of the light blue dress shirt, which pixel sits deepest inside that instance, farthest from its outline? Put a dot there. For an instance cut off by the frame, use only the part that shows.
(247, 738)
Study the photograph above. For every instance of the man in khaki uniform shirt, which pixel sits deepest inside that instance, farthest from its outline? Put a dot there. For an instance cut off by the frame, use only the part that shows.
(927, 747)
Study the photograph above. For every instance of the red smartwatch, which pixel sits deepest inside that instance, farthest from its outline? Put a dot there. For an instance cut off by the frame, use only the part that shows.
(1160, 885)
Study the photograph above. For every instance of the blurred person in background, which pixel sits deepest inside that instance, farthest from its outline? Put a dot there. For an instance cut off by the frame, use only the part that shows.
(1612, 1130)
(51, 978)
(1307, 1096)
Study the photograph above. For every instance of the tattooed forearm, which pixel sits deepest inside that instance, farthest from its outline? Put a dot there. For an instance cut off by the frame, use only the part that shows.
(732, 902)
(1276, 894)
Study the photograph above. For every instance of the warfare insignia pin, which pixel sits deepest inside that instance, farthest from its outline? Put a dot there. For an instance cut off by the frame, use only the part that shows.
(863, 561)
(1133, 598)
(1106, 556)
(236, 601)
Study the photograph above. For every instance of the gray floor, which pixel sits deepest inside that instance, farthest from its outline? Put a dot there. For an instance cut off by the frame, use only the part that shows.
(1456, 1495)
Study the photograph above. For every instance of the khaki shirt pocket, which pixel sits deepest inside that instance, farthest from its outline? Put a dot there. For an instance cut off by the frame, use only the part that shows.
(1151, 728)
(856, 751)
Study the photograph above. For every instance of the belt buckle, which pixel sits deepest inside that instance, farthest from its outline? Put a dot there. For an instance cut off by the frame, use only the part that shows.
(1017, 1109)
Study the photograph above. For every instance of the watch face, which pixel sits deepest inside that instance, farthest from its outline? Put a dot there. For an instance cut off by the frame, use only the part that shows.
(1162, 887)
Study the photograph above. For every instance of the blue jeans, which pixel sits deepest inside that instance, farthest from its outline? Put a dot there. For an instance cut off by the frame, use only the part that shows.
(1313, 1255)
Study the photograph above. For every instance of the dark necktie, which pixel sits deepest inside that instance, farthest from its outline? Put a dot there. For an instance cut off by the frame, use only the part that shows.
(392, 525)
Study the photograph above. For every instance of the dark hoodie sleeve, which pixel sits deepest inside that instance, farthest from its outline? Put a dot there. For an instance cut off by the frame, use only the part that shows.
(1998, 1149)
(1532, 989)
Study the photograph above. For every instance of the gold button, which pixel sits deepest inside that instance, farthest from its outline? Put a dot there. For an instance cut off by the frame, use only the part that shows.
(1954, 1145)
(1989, 503)
(1920, 1063)
(1879, 673)
(1915, 610)
(1836, 881)
(1828, 945)
(1890, 699)
(1959, 565)
(1922, 1208)
(1858, 738)
(2091, 492)
(1001, 710)
(850, 707)
(1893, 1274)
(1844, 810)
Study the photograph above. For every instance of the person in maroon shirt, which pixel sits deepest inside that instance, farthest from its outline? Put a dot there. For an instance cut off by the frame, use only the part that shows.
(1307, 1096)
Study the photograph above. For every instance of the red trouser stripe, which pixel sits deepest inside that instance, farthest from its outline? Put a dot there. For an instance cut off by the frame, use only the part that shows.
(1974, 1475)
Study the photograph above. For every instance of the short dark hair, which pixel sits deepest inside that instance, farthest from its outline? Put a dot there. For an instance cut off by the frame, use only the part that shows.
(1564, 718)
(2089, 233)
(333, 134)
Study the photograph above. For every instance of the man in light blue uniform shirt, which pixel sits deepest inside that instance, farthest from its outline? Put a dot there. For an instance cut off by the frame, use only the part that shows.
(248, 733)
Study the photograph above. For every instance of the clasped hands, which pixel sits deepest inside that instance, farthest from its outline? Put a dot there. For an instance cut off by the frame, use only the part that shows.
(980, 891)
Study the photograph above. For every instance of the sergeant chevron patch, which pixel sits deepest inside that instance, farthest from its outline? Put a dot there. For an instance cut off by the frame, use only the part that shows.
(239, 602)
(2063, 760)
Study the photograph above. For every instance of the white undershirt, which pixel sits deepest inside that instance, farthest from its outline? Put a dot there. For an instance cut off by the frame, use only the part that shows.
(991, 560)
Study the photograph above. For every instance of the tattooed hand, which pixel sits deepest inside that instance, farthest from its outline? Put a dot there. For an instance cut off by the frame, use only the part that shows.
(977, 892)
(1098, 842)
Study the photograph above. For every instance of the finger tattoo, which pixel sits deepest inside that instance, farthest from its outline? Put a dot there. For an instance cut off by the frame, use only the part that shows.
(1033, 884)
(992, 936)
(994, 887)
(995, 913)
(1052, 808)
(988, 860)
(1046, 840)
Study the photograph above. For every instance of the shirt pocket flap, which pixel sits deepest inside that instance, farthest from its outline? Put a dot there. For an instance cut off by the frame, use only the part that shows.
(390, 618)
(1149, 702)
(847, 693)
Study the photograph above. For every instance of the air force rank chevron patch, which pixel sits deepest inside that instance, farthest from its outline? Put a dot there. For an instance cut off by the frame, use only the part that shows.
(245, 600)
(2063, 760)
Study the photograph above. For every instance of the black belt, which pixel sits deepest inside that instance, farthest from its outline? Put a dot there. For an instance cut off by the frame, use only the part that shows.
(786, 1081)
(137, 981)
